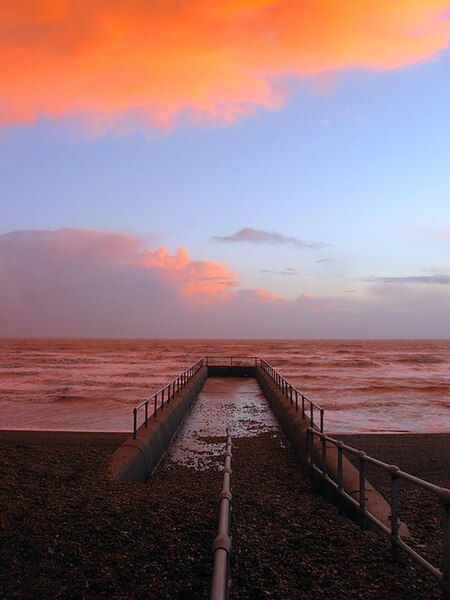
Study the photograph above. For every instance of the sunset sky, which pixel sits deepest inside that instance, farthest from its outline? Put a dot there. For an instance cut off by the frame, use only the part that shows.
(261, 168)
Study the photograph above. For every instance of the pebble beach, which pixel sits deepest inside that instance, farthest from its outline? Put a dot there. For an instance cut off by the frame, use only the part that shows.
(68, 531)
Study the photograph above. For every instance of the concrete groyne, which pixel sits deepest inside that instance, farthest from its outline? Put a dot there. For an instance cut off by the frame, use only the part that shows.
(136, 459)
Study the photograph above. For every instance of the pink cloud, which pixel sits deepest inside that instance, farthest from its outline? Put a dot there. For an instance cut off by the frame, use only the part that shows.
(259, 295)
(204, 279)
(259, 236)
(77, 283)
(125, 64)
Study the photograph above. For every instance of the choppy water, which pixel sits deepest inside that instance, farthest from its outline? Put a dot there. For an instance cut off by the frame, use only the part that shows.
(364, 386)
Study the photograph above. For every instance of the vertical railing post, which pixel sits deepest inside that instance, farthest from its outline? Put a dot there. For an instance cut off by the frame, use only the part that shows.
(321, 420)
(296, 401)
(162, 399)
(311, 414)
(339, 477)
(310, 451)
(134, 423)
(146, 414)
(303, 406)
(362, 487)
(394, 512)
(324, 455)
(156, 406)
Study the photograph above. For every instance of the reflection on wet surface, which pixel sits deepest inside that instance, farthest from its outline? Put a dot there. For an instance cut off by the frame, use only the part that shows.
(236, 403)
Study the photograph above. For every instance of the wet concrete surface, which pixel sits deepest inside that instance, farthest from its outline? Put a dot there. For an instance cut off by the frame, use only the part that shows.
(236, 403)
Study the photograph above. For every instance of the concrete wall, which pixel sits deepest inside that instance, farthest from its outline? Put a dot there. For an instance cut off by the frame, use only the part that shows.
(135, 460)
(231, 371)
(295, 429)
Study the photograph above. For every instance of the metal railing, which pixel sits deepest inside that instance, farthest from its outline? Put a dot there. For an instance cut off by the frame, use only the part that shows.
(222, 541)
(395, 474)
(163, 396)
(308, 408)
(231, 361)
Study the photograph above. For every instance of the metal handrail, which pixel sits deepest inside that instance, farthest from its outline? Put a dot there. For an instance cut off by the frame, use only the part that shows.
(294, 395)
(222, 541)
(230, 360)
(165, 394)
(443, 494)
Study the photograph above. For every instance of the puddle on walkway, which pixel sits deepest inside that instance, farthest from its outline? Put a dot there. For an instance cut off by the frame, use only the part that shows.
(234, 402)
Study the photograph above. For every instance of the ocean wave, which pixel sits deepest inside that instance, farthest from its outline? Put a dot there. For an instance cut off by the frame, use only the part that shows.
(421, 359)
(360, 363)
(64, 398)
(402, 387)
(369, 405)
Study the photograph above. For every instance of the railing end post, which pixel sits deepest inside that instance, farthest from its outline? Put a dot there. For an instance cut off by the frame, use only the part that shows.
(134, 423)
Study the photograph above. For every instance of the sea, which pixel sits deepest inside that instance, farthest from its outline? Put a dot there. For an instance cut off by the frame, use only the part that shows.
(364, 386)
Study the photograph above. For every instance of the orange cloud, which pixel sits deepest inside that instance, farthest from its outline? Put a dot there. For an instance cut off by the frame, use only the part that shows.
(208, 279)
(162, 259)
(201, 279)
(124, 63)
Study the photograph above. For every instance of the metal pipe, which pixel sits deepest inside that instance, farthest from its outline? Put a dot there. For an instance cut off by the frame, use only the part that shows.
(222, 542)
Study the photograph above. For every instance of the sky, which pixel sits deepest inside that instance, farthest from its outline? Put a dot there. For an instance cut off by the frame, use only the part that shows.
(251, 169)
